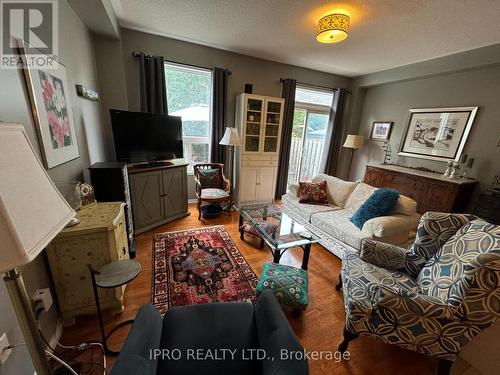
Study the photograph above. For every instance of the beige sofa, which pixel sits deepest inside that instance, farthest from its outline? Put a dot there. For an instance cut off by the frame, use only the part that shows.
(332, 223)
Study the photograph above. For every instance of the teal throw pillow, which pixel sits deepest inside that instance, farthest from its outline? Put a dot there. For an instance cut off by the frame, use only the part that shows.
(380, 203)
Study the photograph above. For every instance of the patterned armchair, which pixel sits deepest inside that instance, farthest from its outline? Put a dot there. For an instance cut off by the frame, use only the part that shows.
(433, 298)
(211, 185)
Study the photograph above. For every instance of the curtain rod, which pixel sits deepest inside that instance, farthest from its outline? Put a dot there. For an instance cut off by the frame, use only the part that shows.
(315, 86)
(137, 54)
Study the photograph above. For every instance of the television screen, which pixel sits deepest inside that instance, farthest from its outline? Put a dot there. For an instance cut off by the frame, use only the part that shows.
(140, 137)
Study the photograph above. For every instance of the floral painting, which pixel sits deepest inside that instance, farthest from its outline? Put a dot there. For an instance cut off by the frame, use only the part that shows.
(49, 94)
(56, 110)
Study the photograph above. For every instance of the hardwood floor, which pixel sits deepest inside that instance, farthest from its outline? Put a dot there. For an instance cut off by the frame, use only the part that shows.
(319, 328)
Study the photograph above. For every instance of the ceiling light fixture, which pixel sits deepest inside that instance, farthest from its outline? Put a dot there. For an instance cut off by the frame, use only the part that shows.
(332, 28)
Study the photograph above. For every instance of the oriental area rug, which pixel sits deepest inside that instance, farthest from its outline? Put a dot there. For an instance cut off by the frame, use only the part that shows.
(198, 266)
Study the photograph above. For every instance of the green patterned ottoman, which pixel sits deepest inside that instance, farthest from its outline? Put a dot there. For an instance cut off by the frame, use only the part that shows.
(289, 284)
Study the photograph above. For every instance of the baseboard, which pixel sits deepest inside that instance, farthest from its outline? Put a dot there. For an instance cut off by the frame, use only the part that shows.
(192, 200)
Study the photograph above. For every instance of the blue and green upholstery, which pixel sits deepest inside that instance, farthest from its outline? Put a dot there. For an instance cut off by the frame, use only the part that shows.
(435, 297)
(289, 284)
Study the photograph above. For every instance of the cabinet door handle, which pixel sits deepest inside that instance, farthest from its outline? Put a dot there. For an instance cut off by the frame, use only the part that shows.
(163, 195)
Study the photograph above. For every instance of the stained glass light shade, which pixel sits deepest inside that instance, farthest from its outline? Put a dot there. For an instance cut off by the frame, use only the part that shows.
(332, 28)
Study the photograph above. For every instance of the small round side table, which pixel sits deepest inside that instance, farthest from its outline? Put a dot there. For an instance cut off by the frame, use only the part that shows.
(112, 275)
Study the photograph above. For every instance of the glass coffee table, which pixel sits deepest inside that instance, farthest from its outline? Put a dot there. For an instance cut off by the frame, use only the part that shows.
(277, 229)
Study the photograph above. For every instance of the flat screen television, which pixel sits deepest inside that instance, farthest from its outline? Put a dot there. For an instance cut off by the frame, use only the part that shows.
(146, 137)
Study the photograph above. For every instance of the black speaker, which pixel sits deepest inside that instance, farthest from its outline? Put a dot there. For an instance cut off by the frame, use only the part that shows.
(248, 88)
(110, 183)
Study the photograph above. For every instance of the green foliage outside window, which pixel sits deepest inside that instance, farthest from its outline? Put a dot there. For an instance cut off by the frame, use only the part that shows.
(187, 89)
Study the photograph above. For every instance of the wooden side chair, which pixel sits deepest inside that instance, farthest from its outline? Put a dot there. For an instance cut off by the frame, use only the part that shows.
(211, 185)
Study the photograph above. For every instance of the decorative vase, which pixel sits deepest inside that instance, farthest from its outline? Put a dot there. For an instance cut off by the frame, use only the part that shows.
(71, 191)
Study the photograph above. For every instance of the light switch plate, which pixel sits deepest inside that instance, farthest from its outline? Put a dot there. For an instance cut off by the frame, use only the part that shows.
(4, 343)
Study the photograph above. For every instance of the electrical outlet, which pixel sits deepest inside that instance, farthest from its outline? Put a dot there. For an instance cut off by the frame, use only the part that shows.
(4, 343)
(44, 297)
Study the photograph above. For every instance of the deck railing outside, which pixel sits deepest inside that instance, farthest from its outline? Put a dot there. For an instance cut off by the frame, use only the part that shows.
(310, 156)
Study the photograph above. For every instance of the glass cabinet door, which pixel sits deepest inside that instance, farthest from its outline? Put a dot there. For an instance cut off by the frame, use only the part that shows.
(253, 124)
(272, 125)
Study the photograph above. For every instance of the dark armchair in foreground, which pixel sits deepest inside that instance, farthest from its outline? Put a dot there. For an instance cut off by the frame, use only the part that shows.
(210, 339)
(433, 298)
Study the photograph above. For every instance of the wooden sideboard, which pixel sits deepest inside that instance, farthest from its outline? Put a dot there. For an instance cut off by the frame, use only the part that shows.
(430, 190)
(98, 239)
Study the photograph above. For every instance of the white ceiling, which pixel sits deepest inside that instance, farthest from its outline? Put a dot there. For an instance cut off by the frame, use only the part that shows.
(384, 33)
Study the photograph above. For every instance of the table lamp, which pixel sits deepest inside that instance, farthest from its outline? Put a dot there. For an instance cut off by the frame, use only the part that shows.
(354, 142)
(231, 138)
(32, 212)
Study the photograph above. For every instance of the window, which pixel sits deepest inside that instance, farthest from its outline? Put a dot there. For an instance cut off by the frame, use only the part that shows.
(189, 92)
(310, 122)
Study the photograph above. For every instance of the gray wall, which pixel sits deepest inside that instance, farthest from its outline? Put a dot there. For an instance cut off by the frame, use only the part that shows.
(76, 53)
(467, 79)
(391, 102)
(263, 74)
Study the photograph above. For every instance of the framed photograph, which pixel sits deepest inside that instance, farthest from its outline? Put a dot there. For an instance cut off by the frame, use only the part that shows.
(437, 133)
(381, 131)
(49, 95)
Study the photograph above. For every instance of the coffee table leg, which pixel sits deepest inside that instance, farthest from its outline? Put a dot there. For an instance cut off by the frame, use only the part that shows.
(305, 258)
(276, 255)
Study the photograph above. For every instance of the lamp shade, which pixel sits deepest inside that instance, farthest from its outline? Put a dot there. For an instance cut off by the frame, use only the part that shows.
(333, 28)
(32, 211)
(354, 141)
(231, 137)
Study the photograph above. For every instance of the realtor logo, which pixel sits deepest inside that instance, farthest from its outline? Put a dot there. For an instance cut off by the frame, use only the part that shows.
(35, 23)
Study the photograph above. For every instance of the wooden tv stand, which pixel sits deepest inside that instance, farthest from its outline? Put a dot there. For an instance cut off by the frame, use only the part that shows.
(158, 193)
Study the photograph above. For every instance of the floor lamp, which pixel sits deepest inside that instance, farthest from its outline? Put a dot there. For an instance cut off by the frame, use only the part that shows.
(232, 139)
(32, 212)
(354, 142)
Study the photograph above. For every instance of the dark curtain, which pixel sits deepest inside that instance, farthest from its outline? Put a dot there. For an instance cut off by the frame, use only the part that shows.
(152, 84)
(288, 93)
(334, 134)
(219, 106)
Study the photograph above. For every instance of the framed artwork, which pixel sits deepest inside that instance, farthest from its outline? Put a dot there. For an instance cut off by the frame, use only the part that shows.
(437, 133)
(48, 90)
(381, 131)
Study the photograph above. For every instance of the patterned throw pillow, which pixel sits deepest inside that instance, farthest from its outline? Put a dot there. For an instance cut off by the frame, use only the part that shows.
(311, 192)
(209, 178)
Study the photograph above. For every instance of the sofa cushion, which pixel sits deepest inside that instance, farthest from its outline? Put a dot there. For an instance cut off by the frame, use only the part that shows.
(337, 190)
(338, 224)
(359, 195)
(304, 211)
(232, 326)
(473, 246)
(360, 277)
(405, 206)
(311, 192)
(380, 203)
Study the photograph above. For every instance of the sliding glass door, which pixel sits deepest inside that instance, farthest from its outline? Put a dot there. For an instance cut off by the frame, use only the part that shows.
(308, 139)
